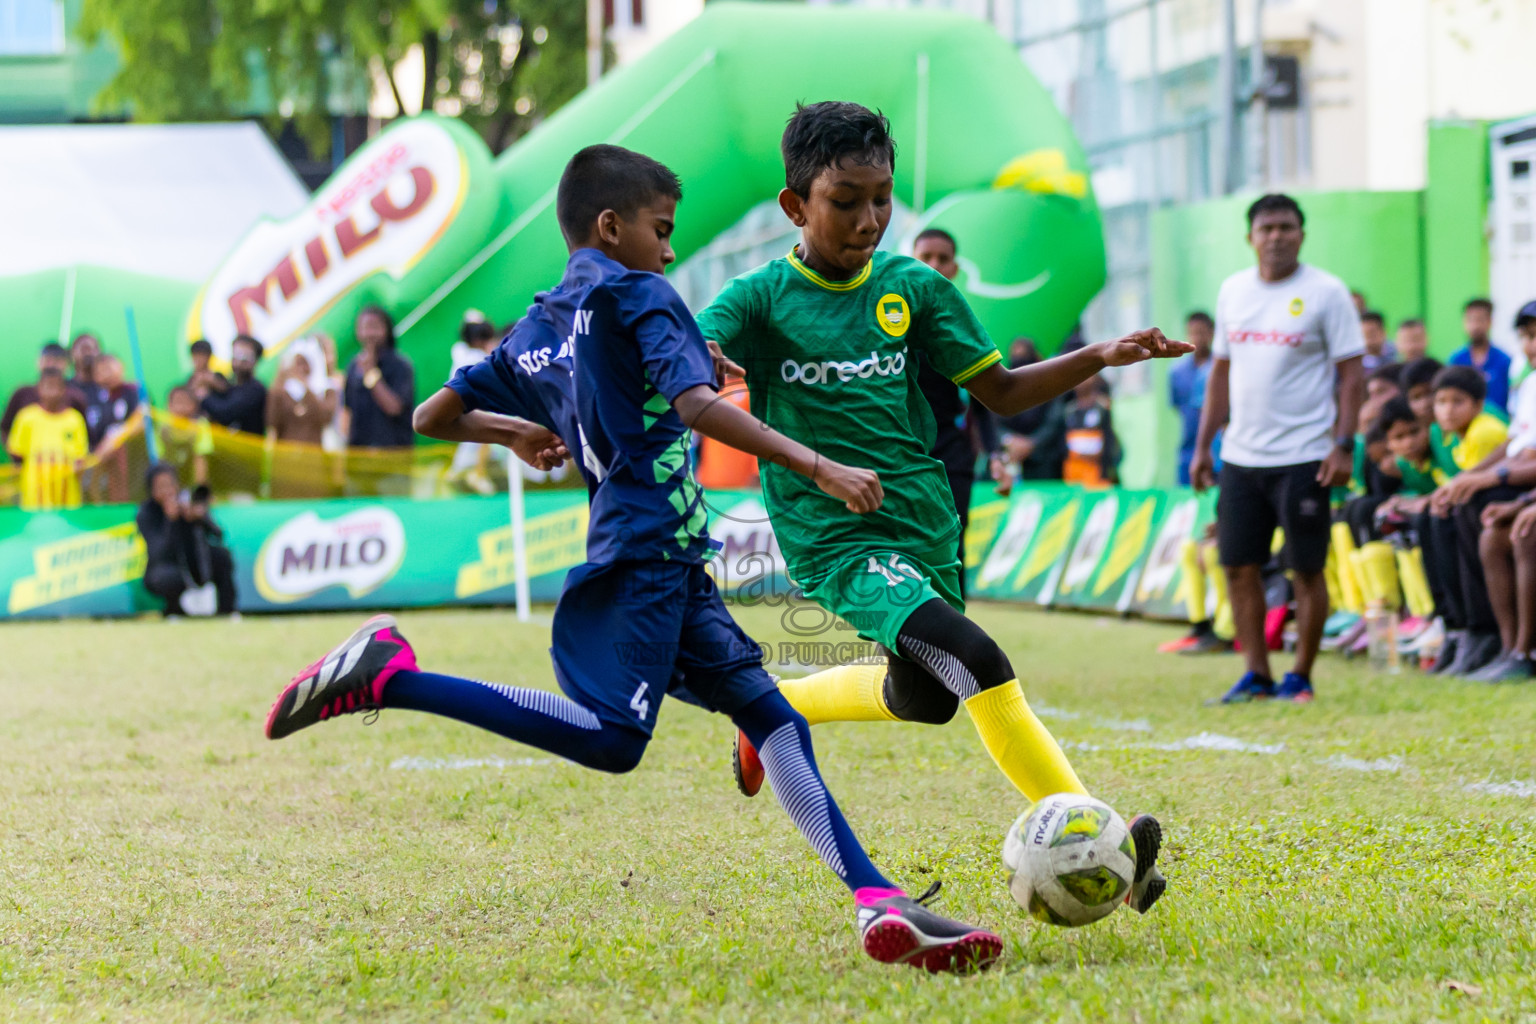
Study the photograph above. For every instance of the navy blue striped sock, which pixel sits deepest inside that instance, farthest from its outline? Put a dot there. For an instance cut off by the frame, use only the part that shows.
(538, 718)
(783, 742)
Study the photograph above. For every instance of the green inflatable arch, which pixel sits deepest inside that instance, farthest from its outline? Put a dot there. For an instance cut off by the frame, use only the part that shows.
(423, 221)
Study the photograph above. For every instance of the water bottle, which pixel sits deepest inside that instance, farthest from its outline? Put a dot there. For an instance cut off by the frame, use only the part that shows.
(1381, 631)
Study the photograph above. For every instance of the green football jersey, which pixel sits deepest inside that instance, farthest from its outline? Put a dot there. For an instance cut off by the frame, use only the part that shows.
(830, 364)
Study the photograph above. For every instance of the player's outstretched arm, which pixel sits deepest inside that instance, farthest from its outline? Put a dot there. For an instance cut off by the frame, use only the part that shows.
(703, 410)
(444, 417)
(1007, 392)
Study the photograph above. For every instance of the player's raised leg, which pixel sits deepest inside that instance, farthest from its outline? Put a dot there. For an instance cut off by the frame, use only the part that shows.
(375, 668)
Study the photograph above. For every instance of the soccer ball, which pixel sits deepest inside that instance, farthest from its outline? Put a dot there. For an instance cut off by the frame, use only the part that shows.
(1070, 859)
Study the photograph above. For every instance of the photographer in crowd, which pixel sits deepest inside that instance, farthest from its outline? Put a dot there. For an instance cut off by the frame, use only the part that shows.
(187, 565)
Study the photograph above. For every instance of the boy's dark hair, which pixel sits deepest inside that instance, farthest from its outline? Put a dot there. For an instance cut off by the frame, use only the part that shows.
(1465, 379)
(1420, 371)
(1412, 321)
(1374, 317)
(1485, 305)
(1526, 315)
(825, 134)
(604, 177)
(53, 350)
(936, 233)
(1395, 410)
(1200, 316)
(1392, 373)
(201, 347)
(247, 339)
(51, 373)
(1275, 202)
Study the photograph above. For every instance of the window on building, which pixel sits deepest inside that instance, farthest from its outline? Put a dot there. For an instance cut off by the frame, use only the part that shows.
(31, 27)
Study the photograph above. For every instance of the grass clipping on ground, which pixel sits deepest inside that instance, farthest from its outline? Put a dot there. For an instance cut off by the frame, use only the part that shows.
(162, 861)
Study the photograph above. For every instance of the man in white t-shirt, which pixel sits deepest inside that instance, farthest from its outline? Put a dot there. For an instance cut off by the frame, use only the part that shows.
(1287, 342)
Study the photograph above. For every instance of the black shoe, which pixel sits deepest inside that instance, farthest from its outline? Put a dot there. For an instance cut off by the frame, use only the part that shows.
(1512, 667)
(1149, 884)
(1208, 643)
(1454, 638)
(1491, 671)
(1475, 653)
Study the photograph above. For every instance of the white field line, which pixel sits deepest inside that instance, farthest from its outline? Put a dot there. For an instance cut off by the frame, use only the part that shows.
(437, 764)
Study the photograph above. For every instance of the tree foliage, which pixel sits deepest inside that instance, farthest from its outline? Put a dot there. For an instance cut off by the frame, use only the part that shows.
(501, 65)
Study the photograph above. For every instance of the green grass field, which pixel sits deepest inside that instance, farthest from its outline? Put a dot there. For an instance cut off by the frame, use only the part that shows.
(161, 861)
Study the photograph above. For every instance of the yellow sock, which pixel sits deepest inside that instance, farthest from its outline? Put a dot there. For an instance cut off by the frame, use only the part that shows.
(1349, 580)
(1410, 572)
(1022, 747)
(847, 693)
(1222, 623)
(1192, 586)
(1380, 570)
(1331, 577)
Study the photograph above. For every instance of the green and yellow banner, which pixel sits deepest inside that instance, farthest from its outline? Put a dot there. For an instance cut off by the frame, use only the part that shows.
(1050, 544)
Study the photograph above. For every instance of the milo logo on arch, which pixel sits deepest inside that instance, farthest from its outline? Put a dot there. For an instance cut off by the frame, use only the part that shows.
(388, 211)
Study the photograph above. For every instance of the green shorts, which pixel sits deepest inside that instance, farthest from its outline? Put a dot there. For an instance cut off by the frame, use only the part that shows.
(874, 592)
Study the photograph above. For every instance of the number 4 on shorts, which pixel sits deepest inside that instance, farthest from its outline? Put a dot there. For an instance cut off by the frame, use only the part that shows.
(639, 703)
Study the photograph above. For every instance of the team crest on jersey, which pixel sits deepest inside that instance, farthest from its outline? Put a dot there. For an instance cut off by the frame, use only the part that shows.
(1297, 306)
(892, 314)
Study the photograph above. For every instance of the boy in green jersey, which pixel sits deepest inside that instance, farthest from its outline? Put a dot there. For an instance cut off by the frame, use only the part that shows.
(825, 338)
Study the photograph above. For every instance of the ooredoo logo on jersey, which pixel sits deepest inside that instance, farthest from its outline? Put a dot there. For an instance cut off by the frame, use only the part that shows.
(843, 369)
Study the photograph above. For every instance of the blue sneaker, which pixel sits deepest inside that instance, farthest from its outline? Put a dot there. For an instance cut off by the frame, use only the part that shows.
(1339, 622)
(1251, 687)
(1296, 688)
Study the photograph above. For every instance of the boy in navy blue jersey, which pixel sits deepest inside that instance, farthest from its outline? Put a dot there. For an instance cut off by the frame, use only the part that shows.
(612, 361)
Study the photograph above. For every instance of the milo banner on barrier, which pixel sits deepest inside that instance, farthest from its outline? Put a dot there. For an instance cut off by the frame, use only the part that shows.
(1051, 545)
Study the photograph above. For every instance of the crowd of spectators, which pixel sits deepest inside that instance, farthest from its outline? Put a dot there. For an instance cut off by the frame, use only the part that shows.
(312, 412)
(1432, 471)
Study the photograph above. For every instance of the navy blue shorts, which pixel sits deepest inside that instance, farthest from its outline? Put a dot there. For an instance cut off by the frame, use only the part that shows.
(628, 633)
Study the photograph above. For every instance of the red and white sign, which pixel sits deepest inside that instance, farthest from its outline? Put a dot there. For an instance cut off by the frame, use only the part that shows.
(395, 200)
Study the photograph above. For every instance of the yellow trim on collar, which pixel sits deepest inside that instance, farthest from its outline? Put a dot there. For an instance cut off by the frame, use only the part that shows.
(832, 286)
(976, 367)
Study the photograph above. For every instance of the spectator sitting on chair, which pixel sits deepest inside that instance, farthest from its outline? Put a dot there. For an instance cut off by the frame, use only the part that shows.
(1412, 341)
(183, 547)
(1418, 384)
(1482, 354)
(1378, 350)
(381, 386)
(1472, 450)
(1512, 475)
(53, 356)
(243, 405)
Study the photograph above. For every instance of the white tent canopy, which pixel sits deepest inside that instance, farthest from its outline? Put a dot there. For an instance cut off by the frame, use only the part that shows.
(169, 200)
